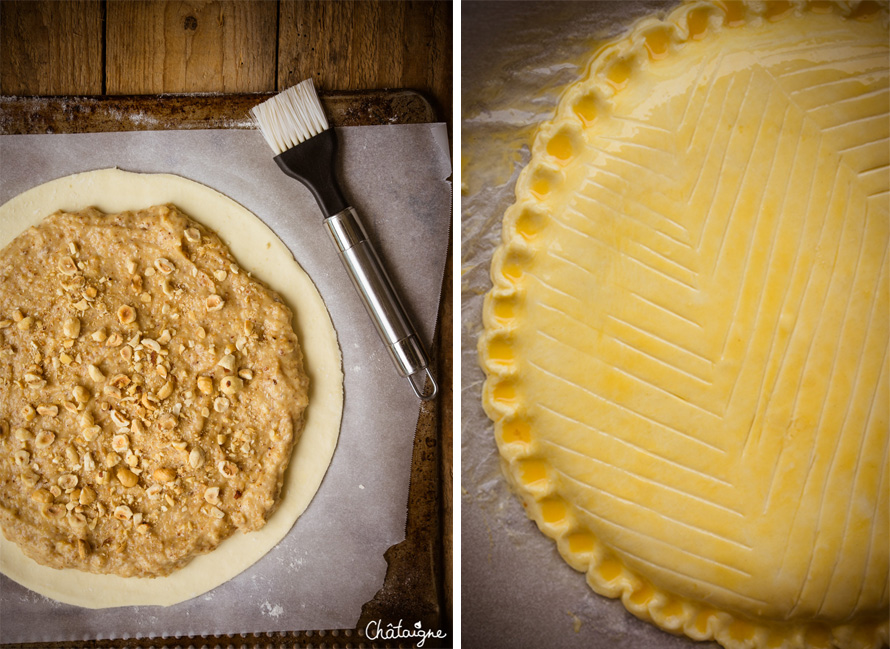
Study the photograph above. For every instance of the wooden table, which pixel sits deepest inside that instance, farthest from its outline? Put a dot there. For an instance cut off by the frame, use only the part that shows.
(126, 52)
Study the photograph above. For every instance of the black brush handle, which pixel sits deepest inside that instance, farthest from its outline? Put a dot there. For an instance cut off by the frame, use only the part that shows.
(312, 162)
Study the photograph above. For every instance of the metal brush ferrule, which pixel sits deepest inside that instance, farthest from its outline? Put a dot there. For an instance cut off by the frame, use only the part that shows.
(381, 300)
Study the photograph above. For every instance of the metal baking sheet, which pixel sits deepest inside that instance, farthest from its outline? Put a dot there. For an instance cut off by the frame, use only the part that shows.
(332, 561)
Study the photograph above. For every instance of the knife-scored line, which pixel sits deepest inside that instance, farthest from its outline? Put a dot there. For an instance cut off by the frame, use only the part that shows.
(643, 124)
(746, 266)
(876, 515)
(700, 580)
(857, 97)
(634, 348)
(860, 364)
(719, 185)
(713, 66)
(855, 474)
(820, 432)
(661, 514)
(853, 81)
(881, 60)
(805, 290)
(872, 170)
(671, 546)
(572, 210)
(635, 144)
(661, 273)
(661, 424)
(641, 478)
(796, 260)
(799, 260)
(571, 262)
(781, 453)
(878, 118)
(554, 289)
(666, 260)
(596, 238)
(827, 479)
(637, 165)
(874, 142)
(683, 401)
(713, 136)
(743, 181)
(667, 310)
(758, 310)
(626, 198)
(654, 336)
(644, 451)
(839, 36)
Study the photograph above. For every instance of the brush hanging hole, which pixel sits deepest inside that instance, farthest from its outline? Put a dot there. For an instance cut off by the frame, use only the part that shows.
(423, 384)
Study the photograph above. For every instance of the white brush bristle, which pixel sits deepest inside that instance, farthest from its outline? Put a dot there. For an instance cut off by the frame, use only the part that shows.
(290, 117)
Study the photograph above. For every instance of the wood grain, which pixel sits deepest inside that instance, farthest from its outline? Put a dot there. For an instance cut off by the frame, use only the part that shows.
(368, 44)
(198, 46)
(21, 115)
(51, 48)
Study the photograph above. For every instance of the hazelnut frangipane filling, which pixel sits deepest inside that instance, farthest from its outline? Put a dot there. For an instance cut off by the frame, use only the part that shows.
(151, 392)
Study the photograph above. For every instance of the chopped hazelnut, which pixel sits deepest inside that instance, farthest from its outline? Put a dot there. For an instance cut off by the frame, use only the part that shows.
(127, 477)
(214, 303)
(165, 391)
(71, 327)
(123, 513)
(205, 384)
(126, 314)
(196, 458)
(87, 496)
(230, 385)
(165, 266)
(211, 495)
(164, 475)
(95, 373)
(44, 439)
(48, 410)
(67, 266)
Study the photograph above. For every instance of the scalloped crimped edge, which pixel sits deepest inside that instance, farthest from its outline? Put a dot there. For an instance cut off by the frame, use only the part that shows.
(605, 75)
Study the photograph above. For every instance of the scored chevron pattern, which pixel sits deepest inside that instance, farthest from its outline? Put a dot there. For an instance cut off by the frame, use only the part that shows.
(714, 302)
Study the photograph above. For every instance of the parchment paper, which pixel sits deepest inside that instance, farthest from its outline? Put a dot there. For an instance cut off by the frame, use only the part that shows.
(331, 562)
(517, 592)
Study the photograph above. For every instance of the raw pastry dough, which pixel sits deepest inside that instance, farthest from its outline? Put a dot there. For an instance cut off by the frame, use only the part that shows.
(686, 341)
(258, 250)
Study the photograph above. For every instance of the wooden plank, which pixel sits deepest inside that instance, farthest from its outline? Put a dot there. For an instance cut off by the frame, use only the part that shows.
(22, 115)
(366, 44)
(50, 48)
(190, 46)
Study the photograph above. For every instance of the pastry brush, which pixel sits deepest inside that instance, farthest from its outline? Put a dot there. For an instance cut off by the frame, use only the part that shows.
(294, 124)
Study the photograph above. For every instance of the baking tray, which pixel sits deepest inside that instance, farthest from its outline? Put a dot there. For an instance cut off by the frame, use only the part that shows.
(414, 585)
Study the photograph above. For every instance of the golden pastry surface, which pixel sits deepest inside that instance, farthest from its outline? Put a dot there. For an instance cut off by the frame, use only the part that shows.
(151, 392)
(686, 340)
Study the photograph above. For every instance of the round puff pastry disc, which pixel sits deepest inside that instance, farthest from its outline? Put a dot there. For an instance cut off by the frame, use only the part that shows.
(258, 250)
(686, 339)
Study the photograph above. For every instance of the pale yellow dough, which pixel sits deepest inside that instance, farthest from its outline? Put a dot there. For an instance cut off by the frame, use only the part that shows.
(686, 340)
(259, 250)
